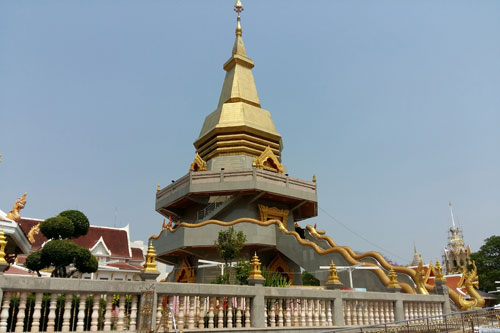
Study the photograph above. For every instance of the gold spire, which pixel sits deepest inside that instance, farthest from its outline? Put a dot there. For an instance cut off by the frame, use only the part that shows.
(238, 8)
(239, 126)
(333, 277)
(150, 263)
(393, 279)
(255, 273)
(3, 243)
(438, 272)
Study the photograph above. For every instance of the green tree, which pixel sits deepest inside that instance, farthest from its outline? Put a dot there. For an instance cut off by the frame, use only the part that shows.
(229, 243)
(60, 252)
(488, 263)
(242, 272)
(308, 279)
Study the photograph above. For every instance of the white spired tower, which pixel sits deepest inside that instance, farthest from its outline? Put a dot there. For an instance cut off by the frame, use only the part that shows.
(456, 254)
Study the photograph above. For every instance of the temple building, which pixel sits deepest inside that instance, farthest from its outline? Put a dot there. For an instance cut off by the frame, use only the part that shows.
(456, 253)
(238, 179)
(118, 258)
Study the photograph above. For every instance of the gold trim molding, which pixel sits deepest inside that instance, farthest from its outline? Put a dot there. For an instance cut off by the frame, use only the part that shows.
(271, 213)
(186, 273)
(198, 164)
(268, 161)
(351, 257)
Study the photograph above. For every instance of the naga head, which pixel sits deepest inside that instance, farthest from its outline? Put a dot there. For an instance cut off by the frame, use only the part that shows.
(469, 279)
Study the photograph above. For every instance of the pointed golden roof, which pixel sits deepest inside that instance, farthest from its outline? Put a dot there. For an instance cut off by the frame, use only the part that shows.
(239, 126)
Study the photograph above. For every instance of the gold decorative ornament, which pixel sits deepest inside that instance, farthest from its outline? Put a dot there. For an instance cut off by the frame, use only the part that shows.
(279, 265)
(158, 187)
(186, 273)
(150, 263)
(35, 230)
(268, 161)
(314, 178)
(438, 272)
(393, 279)
(18, 205)
(421, 277)
(333, 277)
(198, 164)
(255, 273)
(271, 213)
(470, 281)
(3, 243)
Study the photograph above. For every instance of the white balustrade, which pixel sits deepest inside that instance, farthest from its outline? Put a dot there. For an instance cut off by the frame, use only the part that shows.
(50, 309)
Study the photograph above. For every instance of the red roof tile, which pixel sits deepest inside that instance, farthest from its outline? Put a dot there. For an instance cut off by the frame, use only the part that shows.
(137, 253)
(116, 240)
(122, 265)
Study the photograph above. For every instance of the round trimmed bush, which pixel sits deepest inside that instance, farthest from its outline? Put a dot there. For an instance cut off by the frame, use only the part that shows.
(85, 262)
(57, 227)
(80, 222)
(59, 252)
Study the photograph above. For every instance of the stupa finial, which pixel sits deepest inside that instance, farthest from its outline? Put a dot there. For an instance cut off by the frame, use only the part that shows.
(238, 8)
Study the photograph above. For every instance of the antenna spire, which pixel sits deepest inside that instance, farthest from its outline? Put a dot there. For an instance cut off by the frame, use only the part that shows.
(452, 218)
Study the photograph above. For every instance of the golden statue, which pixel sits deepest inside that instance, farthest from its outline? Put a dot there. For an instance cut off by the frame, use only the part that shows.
(421, 277)
(35, 230)
(470, 281)
(14, 213)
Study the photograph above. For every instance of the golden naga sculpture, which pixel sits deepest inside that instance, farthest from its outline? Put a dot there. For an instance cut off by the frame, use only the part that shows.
(35, 230)
(268, 161)
(14, 213)
(198, 164)
(349, 255)
(421, 277)
(470, 281)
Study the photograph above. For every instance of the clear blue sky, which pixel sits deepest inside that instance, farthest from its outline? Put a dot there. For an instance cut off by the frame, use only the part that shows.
(394, 105)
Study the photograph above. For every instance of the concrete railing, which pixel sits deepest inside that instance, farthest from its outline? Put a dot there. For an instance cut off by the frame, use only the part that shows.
(52, 304)
(236, 177)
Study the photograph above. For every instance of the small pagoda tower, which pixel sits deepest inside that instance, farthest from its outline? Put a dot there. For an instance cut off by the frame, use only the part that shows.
(456, 254)
(237, 172)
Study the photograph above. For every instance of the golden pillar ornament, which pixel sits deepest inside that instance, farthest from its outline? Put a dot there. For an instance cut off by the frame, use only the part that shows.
(3, 243)
(150, 263)
(255, 273)
(333, 277)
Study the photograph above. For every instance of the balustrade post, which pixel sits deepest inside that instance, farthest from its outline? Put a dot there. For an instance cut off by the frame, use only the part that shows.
(239, 305)
(192, 305)
(121, 313)
(211, 312)
(108, 313)
(94, 323)
(338, 311)
(81, 313)
(229, 323)
(37, 313)
(248, 317)
(220, 313)
(4, 313)
(288, 316)
(21, 313)
(258, 303)
(133, 314)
